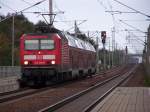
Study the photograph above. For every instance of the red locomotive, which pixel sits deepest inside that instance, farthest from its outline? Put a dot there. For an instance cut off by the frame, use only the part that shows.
(55, 56)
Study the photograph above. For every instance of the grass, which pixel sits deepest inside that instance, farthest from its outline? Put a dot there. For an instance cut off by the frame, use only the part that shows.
(147, 81)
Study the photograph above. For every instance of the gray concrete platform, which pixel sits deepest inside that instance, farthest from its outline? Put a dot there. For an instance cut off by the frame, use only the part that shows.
(126, 99)
(8, 84)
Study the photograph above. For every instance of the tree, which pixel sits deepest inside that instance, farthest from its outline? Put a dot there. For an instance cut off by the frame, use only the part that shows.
(5, 50)
(22, 25)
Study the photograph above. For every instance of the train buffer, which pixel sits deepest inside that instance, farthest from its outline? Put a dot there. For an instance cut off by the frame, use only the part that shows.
(126, 99)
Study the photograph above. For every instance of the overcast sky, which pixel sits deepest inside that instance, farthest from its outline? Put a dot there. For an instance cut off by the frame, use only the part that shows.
(94, 11)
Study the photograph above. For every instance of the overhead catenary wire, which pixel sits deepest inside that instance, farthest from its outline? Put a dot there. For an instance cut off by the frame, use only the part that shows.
(132, 8)
(115, 20)
(137, 37)
(116, 12)
(119, 23)
(61, 17)
(7, 6)
(132, 27)
(139, 40)
(35, 12)
(23, 10)
(142, 20)
(113, 17)
(112, 14)
(78, 24)
(55, 4)
(101, 3)
(31, 4)
(120, 12)
(43, 11)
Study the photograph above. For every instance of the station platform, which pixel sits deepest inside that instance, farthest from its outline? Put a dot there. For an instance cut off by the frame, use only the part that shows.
(8, 84)
(126, 99)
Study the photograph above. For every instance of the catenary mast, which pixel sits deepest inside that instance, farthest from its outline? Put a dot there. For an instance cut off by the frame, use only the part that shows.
(51, 11)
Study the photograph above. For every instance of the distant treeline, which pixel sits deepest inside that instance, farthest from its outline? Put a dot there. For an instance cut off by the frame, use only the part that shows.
(22, 25)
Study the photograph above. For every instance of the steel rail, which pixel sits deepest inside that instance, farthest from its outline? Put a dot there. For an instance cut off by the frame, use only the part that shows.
(90, 107)
(17, 95)
(75, 96)
(23, 92)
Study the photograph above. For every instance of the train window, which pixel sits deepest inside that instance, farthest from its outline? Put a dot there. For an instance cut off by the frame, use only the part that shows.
(86, 45)
(71, 41)
(31, 44)
(93, 49)
(83, 44)
(47, 44)
(78, 44)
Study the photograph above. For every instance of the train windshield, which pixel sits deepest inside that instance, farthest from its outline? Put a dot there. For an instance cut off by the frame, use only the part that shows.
(31, 44)
(47, 44)
(39, 44)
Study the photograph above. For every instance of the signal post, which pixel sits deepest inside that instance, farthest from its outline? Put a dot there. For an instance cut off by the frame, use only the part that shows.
(103, 37)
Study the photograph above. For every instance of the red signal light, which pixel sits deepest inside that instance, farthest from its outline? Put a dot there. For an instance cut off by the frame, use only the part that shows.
(103, 34)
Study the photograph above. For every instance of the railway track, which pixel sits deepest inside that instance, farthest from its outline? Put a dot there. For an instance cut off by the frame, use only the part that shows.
(126, 78)
(83, 102)
(14, 95)
(18, 94)
(52, 95)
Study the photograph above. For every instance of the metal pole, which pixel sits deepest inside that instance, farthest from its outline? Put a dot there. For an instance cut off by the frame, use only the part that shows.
(112, 56)
(13, 40)
(51, 10)
(75, 28)
(114, 42)
(122, 57)
(119, 57)
(117, 60)
(109, 54)
(146, 48)
(88, 34)
(97, 55)
(104, 57)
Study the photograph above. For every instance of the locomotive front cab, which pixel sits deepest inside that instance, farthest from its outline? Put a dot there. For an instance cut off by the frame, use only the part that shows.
(40, 56)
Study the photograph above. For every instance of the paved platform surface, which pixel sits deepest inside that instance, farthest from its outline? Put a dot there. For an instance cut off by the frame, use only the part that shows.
(8, 84)
(126, 99)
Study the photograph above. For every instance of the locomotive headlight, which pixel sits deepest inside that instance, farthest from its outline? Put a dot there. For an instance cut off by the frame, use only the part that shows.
(26, 62)
(52, 62)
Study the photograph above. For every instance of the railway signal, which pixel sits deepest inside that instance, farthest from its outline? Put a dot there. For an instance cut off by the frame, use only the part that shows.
(103, 36)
